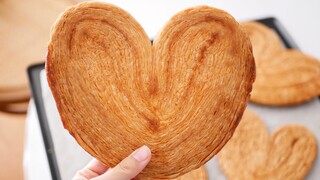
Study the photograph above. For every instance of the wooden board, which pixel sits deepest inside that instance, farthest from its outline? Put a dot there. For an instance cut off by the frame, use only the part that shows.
(11, 145)
(24, 33)
(15, 107)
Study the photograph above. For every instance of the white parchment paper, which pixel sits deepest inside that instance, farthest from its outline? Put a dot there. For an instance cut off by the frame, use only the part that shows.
(71, 157)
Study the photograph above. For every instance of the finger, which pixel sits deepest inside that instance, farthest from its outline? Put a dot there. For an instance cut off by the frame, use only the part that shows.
(93, 169)
(130, 166)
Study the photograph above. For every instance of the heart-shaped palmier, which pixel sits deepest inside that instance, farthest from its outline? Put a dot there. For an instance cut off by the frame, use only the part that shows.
(183, 95)
(252, 154)
(284, 77)
(287, 78)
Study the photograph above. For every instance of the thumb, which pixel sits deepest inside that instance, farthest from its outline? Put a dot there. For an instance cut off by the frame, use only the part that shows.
(130, 167)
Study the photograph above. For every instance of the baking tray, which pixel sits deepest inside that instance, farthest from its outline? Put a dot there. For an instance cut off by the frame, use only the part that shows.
(36, 90)
(34, 73)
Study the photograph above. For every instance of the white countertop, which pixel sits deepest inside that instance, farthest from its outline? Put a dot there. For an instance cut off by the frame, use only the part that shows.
(300, 18)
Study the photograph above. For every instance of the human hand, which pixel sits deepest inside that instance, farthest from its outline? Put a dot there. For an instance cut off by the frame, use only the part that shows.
(127, 169)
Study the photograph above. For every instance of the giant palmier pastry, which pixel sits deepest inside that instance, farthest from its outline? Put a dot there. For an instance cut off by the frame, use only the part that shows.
(183, 95)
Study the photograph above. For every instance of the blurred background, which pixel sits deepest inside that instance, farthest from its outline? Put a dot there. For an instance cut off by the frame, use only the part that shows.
(25, 30)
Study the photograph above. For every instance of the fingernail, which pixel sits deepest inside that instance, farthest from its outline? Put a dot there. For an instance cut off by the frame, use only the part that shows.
(142, 153)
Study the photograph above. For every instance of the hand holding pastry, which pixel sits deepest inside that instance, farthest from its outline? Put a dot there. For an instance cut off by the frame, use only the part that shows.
(125, 170)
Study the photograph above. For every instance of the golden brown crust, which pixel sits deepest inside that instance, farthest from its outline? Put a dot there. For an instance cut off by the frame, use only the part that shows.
(115, 91)
(265, 42)
(24, 37)
(197, 174)
(288, 154)
(288, 78)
